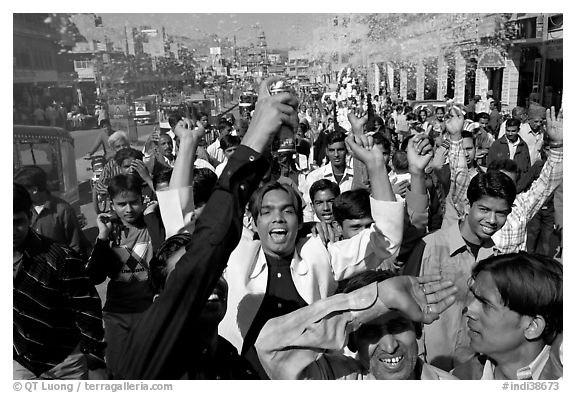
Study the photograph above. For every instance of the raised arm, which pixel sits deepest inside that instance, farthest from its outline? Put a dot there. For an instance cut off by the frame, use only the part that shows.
(162, 337)
(459, 175)
(294, 346)
(551, 175)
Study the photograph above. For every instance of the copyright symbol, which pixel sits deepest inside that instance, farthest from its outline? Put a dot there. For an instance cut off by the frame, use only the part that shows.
(17, 386)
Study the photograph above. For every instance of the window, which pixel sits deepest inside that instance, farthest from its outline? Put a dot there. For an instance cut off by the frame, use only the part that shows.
(44, 156)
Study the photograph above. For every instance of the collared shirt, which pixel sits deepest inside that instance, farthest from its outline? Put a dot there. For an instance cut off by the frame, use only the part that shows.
(512, 236)
(215, 151)
(325, 172)
(524, 128)
(445, 252)
(315, 268)
(57, 220)
(161, 345)
(55, 306)
(307, 343)
(512, 146)
(534, 140)
(531, 371)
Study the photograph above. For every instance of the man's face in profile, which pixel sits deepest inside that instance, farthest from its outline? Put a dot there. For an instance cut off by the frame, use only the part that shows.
(493, 328)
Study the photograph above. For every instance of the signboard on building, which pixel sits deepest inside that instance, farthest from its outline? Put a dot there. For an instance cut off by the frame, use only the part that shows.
(491, 58)
(215, 51)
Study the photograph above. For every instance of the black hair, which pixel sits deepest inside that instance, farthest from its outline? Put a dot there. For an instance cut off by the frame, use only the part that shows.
(229, 140)
(404, 144)
(352, 205)
(380, 139)
(378, 122)
(440, 108)
(529, 284)
(471, 115)
(335, 137)
(127, 152)
(22, 201)
(324, 184)
(504, 164)
(255, 203)
(365, 278)
(513, 123)
(494, 184)
(159, 262)
(468, 134)
(400, 160)
(483, 115)
(174, 118)
(203, 184)
(425, 113)
(411, 116)
(32, 176)
(162, 176)
(124, 183)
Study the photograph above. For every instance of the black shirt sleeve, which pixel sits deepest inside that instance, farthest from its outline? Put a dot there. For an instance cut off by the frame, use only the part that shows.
(161, 341)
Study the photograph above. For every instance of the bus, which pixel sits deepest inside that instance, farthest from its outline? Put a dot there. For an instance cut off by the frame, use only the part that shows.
(146, 109)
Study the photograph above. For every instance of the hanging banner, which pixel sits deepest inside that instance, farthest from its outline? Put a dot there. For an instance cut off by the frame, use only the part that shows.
(491, 58)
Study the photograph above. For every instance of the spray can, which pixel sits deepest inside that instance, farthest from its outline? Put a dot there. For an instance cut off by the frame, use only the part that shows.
(283, 142)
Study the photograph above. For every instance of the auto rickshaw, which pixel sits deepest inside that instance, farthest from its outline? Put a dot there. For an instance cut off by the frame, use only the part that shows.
(52, 149)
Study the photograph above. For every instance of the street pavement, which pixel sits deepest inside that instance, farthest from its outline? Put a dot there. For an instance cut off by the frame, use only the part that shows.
(83, 142)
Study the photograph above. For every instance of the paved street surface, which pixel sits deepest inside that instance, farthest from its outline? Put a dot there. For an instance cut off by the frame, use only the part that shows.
(83, 141)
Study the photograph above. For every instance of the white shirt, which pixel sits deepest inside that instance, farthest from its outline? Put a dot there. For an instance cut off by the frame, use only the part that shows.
(512, 147)
(531, 371)
(534, 140)
(524, 128)
(215, 151)
(324, 172)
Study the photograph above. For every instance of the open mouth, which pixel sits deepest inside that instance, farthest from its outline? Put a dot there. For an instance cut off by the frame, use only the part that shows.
(278, 235)
(392, 363)
(488, 230)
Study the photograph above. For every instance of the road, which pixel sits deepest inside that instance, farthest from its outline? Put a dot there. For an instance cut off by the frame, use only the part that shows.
(83, 142)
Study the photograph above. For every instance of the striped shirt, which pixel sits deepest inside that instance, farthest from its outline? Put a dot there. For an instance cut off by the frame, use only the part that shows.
(55, 307)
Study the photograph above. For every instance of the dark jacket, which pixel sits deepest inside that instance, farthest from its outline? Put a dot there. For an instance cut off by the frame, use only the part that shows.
(499, 150)
(163, 343)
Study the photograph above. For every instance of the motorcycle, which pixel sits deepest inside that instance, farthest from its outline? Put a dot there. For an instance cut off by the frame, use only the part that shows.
(100, 200)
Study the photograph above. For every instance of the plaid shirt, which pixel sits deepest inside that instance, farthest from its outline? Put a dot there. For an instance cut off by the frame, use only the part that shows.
(55, 306)
(512, 237)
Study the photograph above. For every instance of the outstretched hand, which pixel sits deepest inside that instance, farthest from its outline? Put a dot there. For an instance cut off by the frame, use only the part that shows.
(455, 121)
(420, 299)
(419, 152)
(362, 148)
(271, 113)
(554, 127)
(358, 120)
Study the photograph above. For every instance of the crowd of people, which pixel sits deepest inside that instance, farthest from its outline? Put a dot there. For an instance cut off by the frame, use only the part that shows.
(391, 245)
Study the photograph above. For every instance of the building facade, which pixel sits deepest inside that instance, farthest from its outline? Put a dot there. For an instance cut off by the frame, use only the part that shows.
(516, 56)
